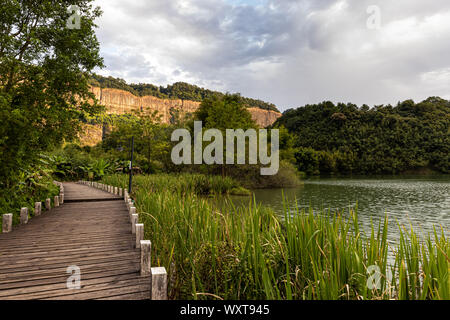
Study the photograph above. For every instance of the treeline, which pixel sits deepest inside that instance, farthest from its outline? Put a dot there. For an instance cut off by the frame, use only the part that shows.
(153, 146)
(179, 90)
(345, 139)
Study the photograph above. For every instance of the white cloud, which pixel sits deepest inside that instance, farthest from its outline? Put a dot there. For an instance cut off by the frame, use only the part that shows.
(290, 52)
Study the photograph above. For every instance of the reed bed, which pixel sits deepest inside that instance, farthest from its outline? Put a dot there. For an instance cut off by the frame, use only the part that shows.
(183, 183)
(252, 253)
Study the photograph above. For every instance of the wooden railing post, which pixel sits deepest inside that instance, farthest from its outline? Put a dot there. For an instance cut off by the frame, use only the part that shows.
(146, 261)
(159, 283)
(37, 208)
(134, 221)
(131, 212)
(139, 234)
(7, 222)
(158, 274)
(24, 216)
(56, 201)
(61, 198)
(48, 204)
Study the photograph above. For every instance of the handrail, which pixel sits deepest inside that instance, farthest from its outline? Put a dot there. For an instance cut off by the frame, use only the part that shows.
(158, 275)
(7, 218)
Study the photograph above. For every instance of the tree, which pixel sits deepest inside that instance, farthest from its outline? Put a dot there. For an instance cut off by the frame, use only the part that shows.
(44, 71)
(151, 139)
(227, 112)
(384, 139)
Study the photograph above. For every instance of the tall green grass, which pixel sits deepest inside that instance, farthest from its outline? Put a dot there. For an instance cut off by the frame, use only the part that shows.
(252, 253)
(183, 183)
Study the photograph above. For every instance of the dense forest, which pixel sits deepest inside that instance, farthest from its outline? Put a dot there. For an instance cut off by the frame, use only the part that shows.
(179, 90)
(346, 139)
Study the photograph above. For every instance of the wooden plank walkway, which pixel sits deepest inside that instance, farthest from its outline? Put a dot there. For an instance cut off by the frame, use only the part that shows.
(92, 231)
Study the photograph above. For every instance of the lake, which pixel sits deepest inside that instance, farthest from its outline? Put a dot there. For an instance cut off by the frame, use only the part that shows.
(419, 201)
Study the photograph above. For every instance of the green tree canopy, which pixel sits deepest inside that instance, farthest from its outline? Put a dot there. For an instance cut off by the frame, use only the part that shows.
(343, 138)
(151, 139)
(227, 112)
(44, 71)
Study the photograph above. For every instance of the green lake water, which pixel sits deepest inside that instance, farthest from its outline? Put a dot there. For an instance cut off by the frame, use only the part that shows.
(418, 201)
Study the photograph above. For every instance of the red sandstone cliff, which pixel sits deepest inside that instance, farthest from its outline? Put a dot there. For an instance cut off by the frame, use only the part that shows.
(120, 101)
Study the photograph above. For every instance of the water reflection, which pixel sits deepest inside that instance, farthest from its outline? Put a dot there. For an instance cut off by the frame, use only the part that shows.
(420, 202)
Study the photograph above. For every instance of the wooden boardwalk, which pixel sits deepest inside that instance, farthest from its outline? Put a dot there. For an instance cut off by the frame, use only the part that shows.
(91, 231)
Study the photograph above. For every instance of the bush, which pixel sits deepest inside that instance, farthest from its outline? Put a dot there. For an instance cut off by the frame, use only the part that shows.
(250, 176)
(30, 186)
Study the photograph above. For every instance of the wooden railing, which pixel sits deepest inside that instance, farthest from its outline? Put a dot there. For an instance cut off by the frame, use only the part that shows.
(158, 274)
(7, 218)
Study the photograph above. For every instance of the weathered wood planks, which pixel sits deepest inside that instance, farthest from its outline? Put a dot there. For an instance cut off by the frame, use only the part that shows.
(96, 236)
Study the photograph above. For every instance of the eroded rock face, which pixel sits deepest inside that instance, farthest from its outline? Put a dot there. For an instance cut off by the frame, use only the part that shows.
(264, 118)
(120, 102)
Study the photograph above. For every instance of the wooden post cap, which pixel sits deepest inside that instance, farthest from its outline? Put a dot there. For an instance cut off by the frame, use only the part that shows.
(48, 205)
(139, 234)
(146, 261)
(134, 221)
(132, 211)
(7, 222)
(24, 216)
(37, 208)
(159, 283)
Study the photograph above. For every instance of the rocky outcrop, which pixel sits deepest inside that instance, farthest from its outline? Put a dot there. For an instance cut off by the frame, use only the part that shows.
(264, 118)
(119, 101)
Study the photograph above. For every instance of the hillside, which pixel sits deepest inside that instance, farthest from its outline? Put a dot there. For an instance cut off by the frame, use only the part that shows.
(385, 139)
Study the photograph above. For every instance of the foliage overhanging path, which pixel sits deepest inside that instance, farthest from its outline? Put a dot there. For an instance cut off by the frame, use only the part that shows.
(94, 235)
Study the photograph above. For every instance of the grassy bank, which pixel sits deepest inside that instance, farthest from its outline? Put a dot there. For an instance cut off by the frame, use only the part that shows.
(250, 253)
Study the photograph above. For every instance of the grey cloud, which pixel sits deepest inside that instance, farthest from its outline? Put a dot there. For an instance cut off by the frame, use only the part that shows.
(287, 52)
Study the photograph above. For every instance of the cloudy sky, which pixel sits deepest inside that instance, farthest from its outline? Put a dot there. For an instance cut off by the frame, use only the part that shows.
(289, 52)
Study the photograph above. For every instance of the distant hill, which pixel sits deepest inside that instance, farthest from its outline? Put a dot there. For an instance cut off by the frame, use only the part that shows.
(343, 138)
(179, 90)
